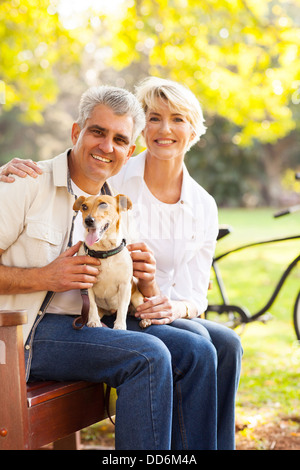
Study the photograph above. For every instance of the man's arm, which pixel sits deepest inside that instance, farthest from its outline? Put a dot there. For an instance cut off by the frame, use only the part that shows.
(144, 268)
(64, 273)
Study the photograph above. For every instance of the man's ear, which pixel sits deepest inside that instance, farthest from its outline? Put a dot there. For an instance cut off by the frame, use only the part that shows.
(130, 152)
(76, 129)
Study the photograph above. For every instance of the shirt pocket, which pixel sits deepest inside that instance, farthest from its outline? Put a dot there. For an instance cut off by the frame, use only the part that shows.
(44, 242)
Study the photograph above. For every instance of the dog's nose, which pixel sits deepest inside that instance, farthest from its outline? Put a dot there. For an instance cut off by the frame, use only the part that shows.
(89, 221)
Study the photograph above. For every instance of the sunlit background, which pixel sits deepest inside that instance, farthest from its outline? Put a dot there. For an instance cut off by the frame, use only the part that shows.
(241, 59)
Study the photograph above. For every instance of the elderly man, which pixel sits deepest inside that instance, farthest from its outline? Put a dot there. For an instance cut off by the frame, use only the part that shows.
(162, 379)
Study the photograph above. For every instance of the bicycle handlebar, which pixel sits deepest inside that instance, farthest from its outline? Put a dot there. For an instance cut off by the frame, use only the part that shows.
(281, 213)
(290, 210)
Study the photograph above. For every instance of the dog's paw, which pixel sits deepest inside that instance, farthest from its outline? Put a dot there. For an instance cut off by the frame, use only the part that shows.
(94, 324)
(145, 323)
(120, 326)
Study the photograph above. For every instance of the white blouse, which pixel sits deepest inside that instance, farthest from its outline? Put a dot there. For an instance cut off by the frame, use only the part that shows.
(182, 235)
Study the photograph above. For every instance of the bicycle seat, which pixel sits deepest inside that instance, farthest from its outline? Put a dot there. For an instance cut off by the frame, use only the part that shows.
(223, 231)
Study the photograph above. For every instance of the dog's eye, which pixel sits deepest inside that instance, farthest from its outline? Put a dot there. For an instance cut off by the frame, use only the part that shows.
(84, 207)
(103, 205)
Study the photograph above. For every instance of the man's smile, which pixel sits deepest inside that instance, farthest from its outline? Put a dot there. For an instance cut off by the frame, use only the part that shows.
(101, 159)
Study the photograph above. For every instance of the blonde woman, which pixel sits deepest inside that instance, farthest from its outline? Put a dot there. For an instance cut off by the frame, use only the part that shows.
(178, 220)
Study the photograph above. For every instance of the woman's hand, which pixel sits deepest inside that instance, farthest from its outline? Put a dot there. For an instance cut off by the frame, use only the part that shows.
(160, 310)
(19, 167)
(144, 268)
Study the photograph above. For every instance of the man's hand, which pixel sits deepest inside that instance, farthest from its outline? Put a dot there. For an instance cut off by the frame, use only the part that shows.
(64, 273)
(71, 272)
(144, 268)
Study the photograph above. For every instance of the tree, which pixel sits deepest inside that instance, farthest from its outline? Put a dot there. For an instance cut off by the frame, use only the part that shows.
(240, 57)
(34, 47)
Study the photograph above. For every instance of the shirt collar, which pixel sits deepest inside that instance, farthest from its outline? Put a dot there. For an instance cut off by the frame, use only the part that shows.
(186, 189)
(60, 169)
(137, 169)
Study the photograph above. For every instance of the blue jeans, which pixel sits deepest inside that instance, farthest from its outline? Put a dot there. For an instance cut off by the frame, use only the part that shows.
(229, 355)
(166, 380)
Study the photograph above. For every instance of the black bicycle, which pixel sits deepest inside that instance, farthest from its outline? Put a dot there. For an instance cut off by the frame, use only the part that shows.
(235, 315)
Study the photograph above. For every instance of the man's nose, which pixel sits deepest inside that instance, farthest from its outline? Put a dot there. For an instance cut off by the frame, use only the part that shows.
(106, 145)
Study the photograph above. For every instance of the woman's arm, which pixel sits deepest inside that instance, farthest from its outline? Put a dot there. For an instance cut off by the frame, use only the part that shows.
(19, 167)
(161, 310)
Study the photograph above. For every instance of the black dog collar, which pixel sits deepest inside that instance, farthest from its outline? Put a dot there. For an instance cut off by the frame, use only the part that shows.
(104, 254)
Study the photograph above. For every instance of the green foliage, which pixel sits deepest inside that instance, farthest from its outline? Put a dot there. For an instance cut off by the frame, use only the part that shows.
(240, 57)
(34, 46)
(230, 172)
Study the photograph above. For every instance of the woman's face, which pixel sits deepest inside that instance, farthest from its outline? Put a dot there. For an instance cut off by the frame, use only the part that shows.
(167, 133)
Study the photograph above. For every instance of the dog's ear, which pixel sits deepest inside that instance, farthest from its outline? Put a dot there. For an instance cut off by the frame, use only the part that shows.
(78, 203)
(123, 202)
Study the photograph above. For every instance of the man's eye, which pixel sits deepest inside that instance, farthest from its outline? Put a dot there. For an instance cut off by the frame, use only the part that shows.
(84, 207)
(121, 141)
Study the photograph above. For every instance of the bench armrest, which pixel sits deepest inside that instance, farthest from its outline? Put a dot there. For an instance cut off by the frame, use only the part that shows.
(13, 317)
(13, 406)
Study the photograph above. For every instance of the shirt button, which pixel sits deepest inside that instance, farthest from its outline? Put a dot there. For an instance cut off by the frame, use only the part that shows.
(27, 347)
(182, 201)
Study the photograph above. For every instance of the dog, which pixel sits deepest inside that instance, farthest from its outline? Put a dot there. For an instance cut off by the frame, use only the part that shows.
(116, 288)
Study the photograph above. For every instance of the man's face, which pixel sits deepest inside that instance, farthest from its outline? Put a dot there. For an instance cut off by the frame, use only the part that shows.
(100, 149)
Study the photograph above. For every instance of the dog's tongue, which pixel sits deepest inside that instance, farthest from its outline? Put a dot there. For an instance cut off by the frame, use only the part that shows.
(92, 237)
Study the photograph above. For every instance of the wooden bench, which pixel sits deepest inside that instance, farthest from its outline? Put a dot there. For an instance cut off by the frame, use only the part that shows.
(40, 413)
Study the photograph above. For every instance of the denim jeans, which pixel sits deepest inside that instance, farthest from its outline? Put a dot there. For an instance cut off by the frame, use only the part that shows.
(165, 377)
(229, 355)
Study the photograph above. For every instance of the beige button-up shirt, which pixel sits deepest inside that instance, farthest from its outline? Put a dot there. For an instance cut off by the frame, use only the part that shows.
(35, 223)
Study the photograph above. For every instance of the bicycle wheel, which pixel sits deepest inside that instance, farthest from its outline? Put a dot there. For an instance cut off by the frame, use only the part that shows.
(297, 316)
(229, 315)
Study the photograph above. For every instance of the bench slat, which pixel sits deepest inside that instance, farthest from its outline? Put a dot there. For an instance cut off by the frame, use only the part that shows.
(40, 392)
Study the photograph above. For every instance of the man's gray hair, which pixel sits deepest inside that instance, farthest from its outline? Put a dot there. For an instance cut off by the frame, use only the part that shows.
(119, 100)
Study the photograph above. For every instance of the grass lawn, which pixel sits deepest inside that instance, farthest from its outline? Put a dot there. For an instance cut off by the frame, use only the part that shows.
(268, 396)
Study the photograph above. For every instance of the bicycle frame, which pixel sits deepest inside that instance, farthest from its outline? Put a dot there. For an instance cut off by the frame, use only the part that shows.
(244, 314)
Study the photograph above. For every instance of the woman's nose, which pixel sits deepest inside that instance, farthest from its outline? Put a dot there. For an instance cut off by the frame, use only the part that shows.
(165, 125)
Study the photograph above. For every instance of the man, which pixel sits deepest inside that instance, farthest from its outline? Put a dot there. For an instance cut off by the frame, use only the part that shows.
(37, 226)
(165, 381)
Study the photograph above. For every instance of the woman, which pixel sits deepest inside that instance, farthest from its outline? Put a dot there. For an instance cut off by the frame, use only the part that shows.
(177, 219)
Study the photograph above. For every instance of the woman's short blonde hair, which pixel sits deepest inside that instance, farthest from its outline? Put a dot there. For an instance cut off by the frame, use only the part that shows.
(180, 99)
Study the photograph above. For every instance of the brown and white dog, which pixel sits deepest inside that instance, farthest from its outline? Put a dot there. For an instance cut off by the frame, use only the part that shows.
(116, 287)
